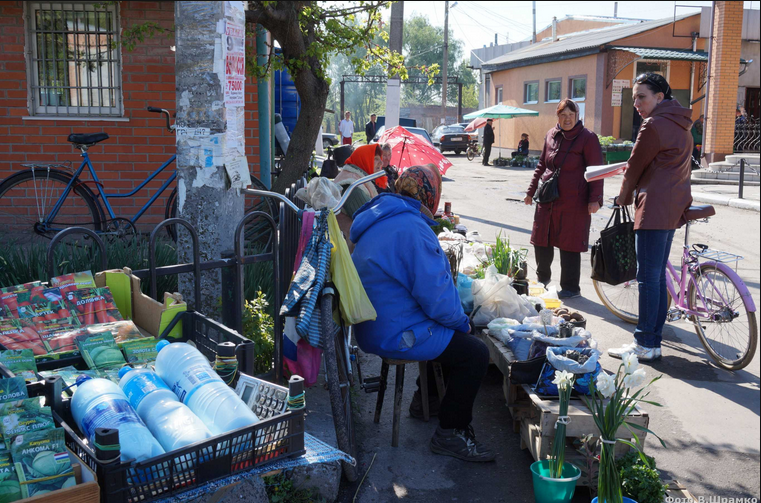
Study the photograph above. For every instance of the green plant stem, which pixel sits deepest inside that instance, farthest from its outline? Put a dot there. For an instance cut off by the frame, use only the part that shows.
(558, 447)
(609, 483)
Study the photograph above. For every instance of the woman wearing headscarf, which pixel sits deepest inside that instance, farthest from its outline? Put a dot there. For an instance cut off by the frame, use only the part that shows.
(657, 181)
(365, 160)
(398, 257)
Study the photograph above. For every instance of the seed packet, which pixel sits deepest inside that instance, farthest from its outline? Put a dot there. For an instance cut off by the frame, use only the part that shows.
(122, 331)
(111, 374)
(8, 295)
(93, 305)
(42, 462)
(140, 351)
(44, 305)
(69, 375)
(14, 335)
(100, 351)
(10, 490)
(20, 362)
(76, 281)
(24, 416)
(13, 389)
(58, 335)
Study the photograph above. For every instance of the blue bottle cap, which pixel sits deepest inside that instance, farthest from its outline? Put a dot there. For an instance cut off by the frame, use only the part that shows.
(82, 378)
(123, 371)
(162, 344)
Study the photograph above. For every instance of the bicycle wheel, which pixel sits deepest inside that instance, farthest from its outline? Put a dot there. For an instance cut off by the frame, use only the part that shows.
(728, 332)
(621, 300)
(471, 154)
(339, 387)
(27, 198)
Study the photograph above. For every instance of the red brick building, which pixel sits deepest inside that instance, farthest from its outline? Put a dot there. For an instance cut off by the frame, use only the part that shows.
(63, 70)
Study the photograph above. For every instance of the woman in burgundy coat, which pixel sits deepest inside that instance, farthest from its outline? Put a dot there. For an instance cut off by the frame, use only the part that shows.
(564, 223)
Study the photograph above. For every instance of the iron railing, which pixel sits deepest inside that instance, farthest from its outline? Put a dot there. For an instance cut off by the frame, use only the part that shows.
(747, 135)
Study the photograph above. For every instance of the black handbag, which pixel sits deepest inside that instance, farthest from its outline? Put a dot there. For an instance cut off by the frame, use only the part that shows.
(548, 191)
(614, 254)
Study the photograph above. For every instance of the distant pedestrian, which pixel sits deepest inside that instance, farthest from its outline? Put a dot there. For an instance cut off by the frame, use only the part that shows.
(391, 172)
(564, 223)
(697, 137)
(657, 181)
(346, 128)
(523, 145)
(370, 129)
(488, 141)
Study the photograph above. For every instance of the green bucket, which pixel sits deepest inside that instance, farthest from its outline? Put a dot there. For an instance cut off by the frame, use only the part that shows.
(549, 490)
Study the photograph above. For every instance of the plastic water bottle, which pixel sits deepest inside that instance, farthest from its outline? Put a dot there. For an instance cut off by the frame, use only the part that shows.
(172, 423)
(189, 374)
(100, 403)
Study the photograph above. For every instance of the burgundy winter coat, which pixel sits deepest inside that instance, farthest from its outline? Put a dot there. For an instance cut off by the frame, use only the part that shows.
(659, 169)
(565, 222)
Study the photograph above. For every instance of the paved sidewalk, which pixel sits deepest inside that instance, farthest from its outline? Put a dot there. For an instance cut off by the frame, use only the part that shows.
(726, 195)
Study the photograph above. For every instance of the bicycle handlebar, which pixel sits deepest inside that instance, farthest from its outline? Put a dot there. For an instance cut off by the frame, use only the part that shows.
(336, 210)
(155, 110)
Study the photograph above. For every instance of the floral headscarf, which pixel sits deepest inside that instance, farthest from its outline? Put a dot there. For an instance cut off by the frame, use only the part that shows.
(364, 158)
(422, 183)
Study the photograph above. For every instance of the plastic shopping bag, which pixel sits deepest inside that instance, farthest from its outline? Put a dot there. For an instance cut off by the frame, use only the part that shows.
(497, 299)
(464, 289)
(354, 303)
(320, 193)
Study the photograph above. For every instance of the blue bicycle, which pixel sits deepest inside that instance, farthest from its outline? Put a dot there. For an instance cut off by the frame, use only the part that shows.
(44, 199)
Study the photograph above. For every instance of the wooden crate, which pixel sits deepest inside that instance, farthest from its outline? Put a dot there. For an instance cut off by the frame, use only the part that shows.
(86, 490)
(534, 417)
(677, 492)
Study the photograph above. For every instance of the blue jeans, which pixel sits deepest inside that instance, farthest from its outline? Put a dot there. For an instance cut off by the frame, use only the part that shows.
(653, 247)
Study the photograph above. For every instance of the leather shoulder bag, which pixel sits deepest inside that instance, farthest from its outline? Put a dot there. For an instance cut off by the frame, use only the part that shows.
(548, 191)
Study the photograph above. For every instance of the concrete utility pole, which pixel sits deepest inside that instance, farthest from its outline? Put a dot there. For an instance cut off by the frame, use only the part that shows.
(444, 69)
(533, 33)
(211, 162)
(393, 85)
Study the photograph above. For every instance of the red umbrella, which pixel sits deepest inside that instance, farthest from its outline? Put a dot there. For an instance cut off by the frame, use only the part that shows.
(409, 149)
(478, 122)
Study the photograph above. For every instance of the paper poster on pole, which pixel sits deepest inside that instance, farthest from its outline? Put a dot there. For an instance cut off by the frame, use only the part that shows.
(619, 85)
(235, 63)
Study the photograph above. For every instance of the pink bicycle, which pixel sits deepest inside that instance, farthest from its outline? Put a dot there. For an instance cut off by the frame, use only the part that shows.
(708, 292)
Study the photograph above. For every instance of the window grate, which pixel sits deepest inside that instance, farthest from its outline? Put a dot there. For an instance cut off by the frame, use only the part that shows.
(73, 59)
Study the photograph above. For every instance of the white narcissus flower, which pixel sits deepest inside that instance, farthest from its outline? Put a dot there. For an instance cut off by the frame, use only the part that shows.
(631, 363)
(635, 379)
(563, 379)
(605, 384)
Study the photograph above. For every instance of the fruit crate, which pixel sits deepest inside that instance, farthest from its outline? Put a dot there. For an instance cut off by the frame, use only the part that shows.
(279, 433)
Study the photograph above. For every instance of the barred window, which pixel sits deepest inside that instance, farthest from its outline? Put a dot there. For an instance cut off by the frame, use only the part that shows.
(73, 59)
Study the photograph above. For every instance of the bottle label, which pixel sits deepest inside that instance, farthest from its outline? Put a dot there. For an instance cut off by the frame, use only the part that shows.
(141, 385)
(111, 414)
(193, 378)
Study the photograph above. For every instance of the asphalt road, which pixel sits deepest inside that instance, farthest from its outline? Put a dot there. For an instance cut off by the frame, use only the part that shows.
(709, 419)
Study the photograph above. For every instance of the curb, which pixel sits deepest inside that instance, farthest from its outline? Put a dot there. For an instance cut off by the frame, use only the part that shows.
(743, 204)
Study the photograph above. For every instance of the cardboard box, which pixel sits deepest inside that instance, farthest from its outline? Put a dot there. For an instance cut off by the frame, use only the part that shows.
(149, 315)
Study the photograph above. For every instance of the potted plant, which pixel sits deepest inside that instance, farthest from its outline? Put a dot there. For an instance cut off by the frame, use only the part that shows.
(612, 400)
(554, 478)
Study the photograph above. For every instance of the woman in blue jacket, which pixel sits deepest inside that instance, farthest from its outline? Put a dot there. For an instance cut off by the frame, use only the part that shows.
(407, 278)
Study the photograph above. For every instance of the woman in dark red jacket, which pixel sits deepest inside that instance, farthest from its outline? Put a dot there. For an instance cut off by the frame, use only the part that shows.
(657, 181)
(564, 223)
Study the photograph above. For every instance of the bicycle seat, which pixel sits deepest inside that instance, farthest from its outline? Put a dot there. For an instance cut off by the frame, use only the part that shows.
(87, 138)
(698, 212)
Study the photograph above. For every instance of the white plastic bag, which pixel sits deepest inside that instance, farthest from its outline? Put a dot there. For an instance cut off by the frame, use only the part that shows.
(473, 255)
(494, 297)
(320, 193)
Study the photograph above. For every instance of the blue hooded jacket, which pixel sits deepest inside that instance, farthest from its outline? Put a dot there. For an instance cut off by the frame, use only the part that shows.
(407, 277)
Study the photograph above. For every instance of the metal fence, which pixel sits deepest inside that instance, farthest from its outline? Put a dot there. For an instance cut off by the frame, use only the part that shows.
(747, 135)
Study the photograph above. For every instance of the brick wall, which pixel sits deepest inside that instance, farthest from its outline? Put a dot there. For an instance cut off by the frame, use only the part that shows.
(722, 98)
(138, 143)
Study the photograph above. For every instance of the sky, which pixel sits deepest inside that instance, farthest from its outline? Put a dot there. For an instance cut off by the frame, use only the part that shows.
(475, 23)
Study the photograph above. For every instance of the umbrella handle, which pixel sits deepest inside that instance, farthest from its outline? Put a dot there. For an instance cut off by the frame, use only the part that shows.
(401, 154)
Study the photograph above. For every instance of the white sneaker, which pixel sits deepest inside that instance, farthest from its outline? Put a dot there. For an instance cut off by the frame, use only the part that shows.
(643, 354)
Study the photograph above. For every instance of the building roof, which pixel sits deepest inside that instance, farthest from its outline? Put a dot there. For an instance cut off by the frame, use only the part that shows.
(670, 54)
(574, 45)
(597, 19)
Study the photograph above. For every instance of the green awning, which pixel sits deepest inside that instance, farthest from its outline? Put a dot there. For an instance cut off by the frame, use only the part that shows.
(500, 112)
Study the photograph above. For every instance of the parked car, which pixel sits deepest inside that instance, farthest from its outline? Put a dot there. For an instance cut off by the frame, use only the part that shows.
(414, 130)
(329, 140)
(451, 139)
(473, 134)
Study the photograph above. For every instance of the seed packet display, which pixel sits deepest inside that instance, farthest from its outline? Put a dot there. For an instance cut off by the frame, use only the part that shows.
(9, 295)
(122, 331)
(93, 305)
(58, 336)
(46, 306)
(20, 362)
(100, 351)
(42, 462)
(76, 281)
(140, 351)
(13, 389)
(24, 416)
(14, 335)
(10, 490)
